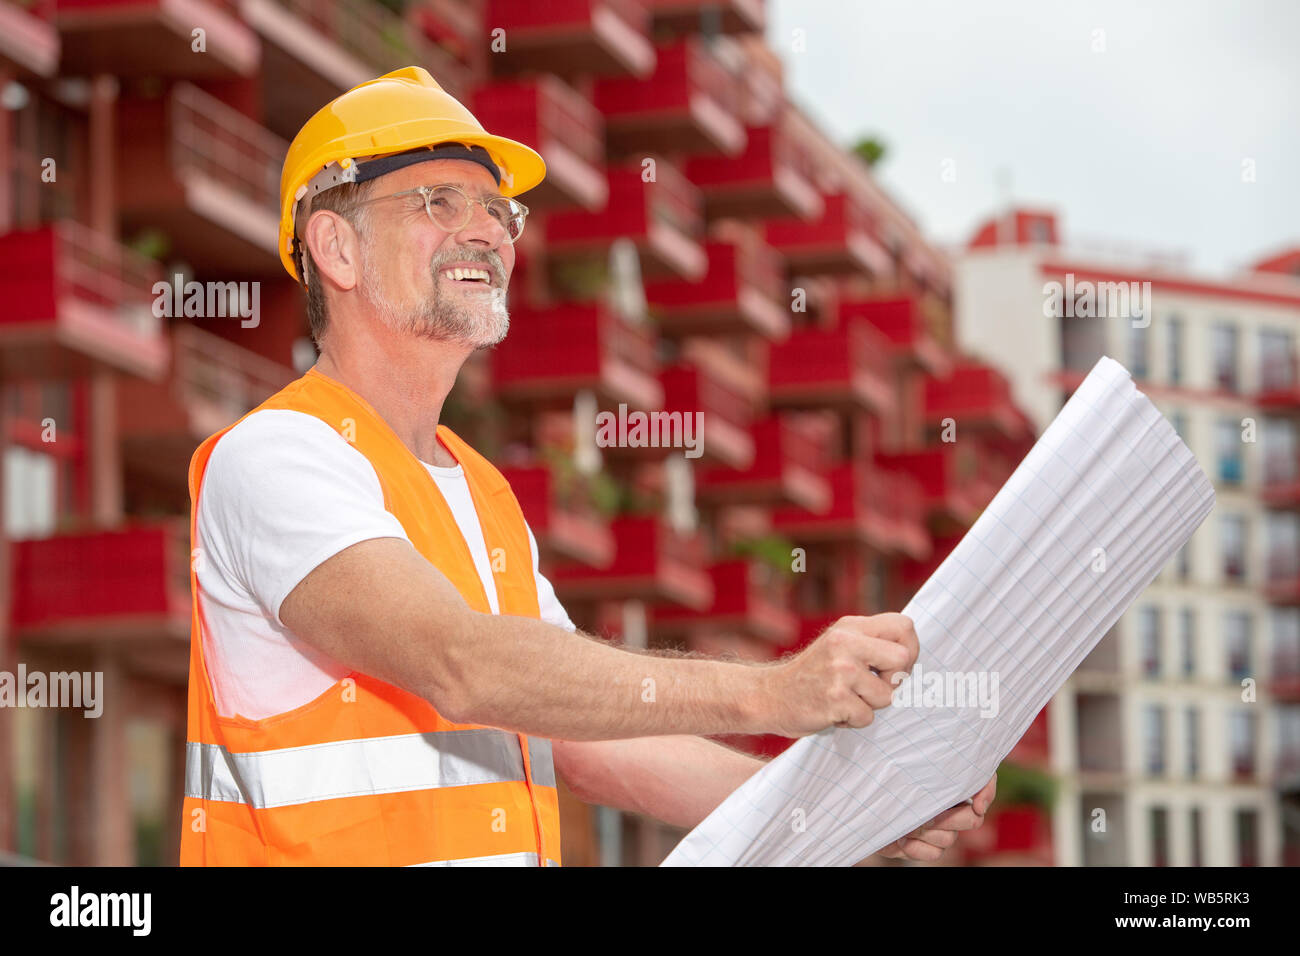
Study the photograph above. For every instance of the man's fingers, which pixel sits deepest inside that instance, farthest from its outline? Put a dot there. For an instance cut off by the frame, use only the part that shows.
(874, 691)
(939, 838)
(960, 817)
(984, 799)
(920, 850)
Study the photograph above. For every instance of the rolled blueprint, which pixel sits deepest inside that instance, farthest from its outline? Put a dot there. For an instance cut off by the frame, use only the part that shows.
(1101, 503)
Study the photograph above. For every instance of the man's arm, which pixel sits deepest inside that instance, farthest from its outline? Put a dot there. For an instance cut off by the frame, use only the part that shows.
(679, 780)
(381, 608)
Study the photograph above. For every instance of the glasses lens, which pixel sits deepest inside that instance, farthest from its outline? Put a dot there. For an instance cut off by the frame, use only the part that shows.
(447, 205)
(510, 215)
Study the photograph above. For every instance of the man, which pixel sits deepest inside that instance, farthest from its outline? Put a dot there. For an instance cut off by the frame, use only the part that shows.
(379, 674)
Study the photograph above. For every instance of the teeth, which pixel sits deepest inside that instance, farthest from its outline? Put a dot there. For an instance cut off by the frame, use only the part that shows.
(459, 274)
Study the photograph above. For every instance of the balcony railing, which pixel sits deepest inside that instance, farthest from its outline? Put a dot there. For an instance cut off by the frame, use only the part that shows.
(221, 143)
(133, 579)
(377, 36)
(566, 523)
(570, 37)
(67, 274)
(844, 366)
(210, 369)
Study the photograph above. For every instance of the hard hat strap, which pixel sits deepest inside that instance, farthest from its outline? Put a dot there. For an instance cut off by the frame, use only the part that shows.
(374, 168)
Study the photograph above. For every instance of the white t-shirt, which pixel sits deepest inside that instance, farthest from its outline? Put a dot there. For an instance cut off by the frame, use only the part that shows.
(283, 491)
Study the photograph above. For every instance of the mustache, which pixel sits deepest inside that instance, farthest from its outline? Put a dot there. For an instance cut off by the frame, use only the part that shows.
(488, 257)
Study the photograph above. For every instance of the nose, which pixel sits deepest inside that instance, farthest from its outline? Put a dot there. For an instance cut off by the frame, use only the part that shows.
(482, 228)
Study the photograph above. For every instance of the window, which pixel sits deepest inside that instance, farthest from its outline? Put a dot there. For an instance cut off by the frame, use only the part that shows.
(1194, 822)
(1280, 450)
(1227, 450)
(1232, 548)
(1236, 634)
(1241, 736)
(1138, 349)
(1286, 643)
(31, 493)
(1247, 831)
(1179, 421)
(1174, 350)
(1149, 640)
(1192, 727)
(1224, 349)
(1277, 360)
(1159, 836)
(1283, 533)
(1153, 739)
(1187, 640)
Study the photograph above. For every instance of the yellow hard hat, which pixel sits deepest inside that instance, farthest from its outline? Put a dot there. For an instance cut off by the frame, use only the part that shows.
(399, 112)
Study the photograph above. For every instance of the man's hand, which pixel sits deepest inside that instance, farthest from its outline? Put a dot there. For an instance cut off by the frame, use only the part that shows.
(929, 841)
(844, 676)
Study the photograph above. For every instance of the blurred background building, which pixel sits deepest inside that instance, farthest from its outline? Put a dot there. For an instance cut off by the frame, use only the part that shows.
(699, 245)
(1156, 728)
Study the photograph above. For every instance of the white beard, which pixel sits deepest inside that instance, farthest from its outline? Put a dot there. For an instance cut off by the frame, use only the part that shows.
(472, 317)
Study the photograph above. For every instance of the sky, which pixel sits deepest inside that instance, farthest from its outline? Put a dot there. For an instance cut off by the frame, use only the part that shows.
(1171, 125)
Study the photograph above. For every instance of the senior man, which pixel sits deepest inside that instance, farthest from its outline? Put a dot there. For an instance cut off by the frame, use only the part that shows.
(379, 674)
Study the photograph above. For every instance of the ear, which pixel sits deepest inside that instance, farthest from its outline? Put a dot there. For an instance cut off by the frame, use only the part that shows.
(335, 249)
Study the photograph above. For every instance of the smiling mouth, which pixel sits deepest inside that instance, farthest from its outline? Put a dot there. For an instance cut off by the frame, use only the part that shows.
(468, 276)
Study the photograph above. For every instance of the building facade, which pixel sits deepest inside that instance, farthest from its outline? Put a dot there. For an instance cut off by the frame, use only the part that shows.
(1178, 741)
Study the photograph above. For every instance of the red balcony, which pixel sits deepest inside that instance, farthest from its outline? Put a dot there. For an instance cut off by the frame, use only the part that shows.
(204, 174)
(75, 300)
(29, 41)
(1280, 487)
(905, 512)
(731, 16)
(1282, 584)
(652, 562)
(860, 510)
(563, 520)
(770, 178)
(748, 598)
(948, 476)
(130, 585)
(1279, 383)
(725, 414)
(1285, 682)
(155, 38)
(213, 383)
(742, 291)
(841, 242)
(552, 354)
(1020, 834)
(844, 367)
(655, 207)
(903, 325)
(559, 123)
(572, 37)
(314, 49)
(690, 101)
(788, 469)
(976, 396)
(1034, 748)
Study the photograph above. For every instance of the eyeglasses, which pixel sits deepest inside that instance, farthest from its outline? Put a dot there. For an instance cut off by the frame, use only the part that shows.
(450, 209)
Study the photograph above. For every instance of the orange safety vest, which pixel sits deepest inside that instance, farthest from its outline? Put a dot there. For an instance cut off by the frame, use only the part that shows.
(368, 774)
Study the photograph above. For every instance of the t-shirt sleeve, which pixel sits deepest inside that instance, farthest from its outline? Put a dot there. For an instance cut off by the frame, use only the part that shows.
(548, 604)
(282, 493)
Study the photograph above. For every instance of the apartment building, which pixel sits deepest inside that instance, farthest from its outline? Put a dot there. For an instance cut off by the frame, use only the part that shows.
(1177, 743)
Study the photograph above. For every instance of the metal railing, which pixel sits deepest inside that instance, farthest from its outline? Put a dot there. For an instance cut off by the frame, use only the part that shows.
(224, 144)
(219, 372)
(566, 116)
(633, 344)
(675, 200)
(97, 269)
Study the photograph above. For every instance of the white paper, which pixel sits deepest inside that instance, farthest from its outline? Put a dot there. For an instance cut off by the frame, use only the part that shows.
(1020, 597)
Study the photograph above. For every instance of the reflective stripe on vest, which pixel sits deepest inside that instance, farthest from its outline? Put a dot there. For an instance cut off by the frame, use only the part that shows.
(350, 768)
(501, 859)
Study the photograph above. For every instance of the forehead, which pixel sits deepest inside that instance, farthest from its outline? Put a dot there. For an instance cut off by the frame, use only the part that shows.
(469, 176)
